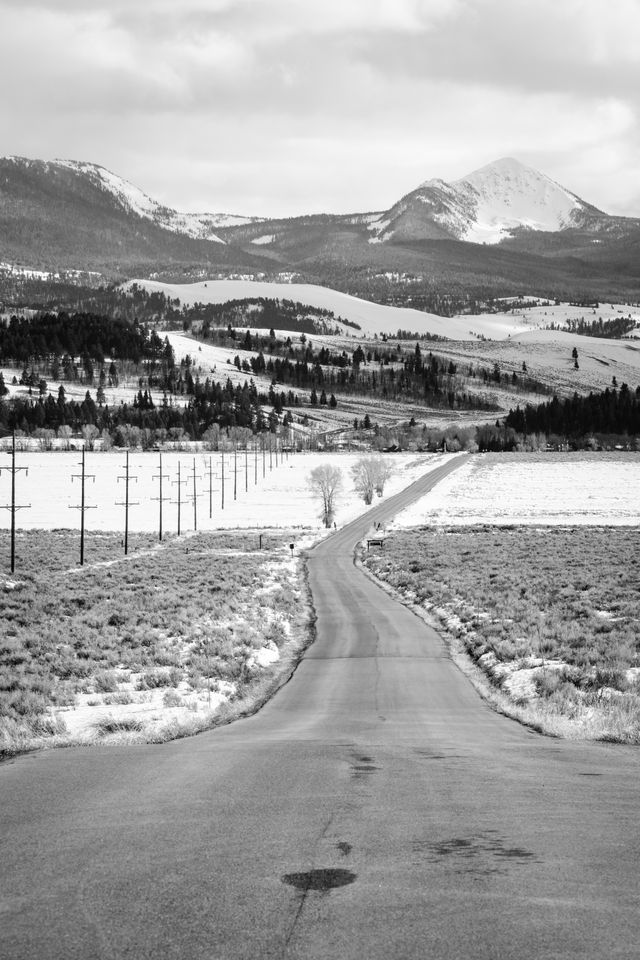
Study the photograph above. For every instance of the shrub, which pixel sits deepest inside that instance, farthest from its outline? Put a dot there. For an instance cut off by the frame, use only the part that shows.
(152, 679)
(105, 681)
(172, 698)
(121, 696)
(107, 725)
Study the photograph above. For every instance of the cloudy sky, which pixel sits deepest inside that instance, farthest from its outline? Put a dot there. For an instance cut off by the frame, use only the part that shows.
(279, 107)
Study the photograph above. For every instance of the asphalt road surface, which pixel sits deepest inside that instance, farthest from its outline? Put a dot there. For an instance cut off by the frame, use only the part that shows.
(375, 808)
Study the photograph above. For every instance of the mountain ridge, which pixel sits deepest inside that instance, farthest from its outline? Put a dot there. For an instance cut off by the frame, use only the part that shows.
(77, 214)
(499, 184)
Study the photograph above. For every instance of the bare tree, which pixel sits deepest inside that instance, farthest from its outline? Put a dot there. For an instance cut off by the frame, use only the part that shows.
(370, 475)
(211, 437)
(64, 433)
(325, 483)
(44, 437)
(364, 478)
(383, 472)
(90, 434)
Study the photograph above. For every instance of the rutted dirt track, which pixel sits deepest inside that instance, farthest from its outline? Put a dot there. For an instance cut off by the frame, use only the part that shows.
(375, 808)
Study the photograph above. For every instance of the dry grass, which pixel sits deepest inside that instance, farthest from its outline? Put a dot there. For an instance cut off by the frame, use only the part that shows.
(548, 617)
(177, 634)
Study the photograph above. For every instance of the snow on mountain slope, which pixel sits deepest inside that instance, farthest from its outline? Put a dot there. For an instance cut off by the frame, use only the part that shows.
(508, 194)
(483, 207)
(199, 226)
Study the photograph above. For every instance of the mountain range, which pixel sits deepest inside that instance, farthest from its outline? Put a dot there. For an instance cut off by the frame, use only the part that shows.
(505, 224)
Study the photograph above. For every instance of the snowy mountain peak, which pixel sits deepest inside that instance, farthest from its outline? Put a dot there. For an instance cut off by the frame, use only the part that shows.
(508, 194)
(485, 206)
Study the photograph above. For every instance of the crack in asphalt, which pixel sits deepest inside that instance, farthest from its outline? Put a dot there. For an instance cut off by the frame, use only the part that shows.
(304, 891)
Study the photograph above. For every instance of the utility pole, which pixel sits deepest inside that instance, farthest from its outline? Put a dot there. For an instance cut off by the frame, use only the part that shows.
(160, 477)
(194, 496)
(246, 466)
(270, 451)
(178, 483)
(126, 503)
(235, 470)
(222, 484)
(84, 506)
(255, 462)
(210, 488)
(264, 458)
(13, 506)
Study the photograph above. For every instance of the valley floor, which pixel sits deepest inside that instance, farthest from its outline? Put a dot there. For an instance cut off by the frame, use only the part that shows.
(528, 560)
(177, 635)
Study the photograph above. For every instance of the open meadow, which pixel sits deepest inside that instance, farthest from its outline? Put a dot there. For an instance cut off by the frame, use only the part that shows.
(532, 565)
(179, 634)
(530, 562)
(162, 643)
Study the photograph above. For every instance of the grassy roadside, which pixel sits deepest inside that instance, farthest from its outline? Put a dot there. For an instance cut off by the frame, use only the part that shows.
(544, 620)
(173, 639)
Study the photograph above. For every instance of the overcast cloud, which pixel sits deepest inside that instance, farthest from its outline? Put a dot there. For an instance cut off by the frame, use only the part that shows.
(279, 107)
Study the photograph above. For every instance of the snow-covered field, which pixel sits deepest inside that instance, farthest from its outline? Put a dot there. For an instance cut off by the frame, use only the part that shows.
(279, 499)
(373, 318)
(568, 489)
(376, 318)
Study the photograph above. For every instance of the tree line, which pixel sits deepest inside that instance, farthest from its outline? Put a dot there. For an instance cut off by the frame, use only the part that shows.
(613, 411)
(48, 335)
(613, 329)
(224, 406)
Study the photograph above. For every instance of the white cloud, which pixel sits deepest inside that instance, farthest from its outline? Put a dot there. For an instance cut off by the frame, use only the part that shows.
(284, 106)
(369, 16)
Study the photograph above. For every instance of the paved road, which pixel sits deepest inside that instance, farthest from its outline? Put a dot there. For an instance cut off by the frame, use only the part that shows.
(375, 808)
